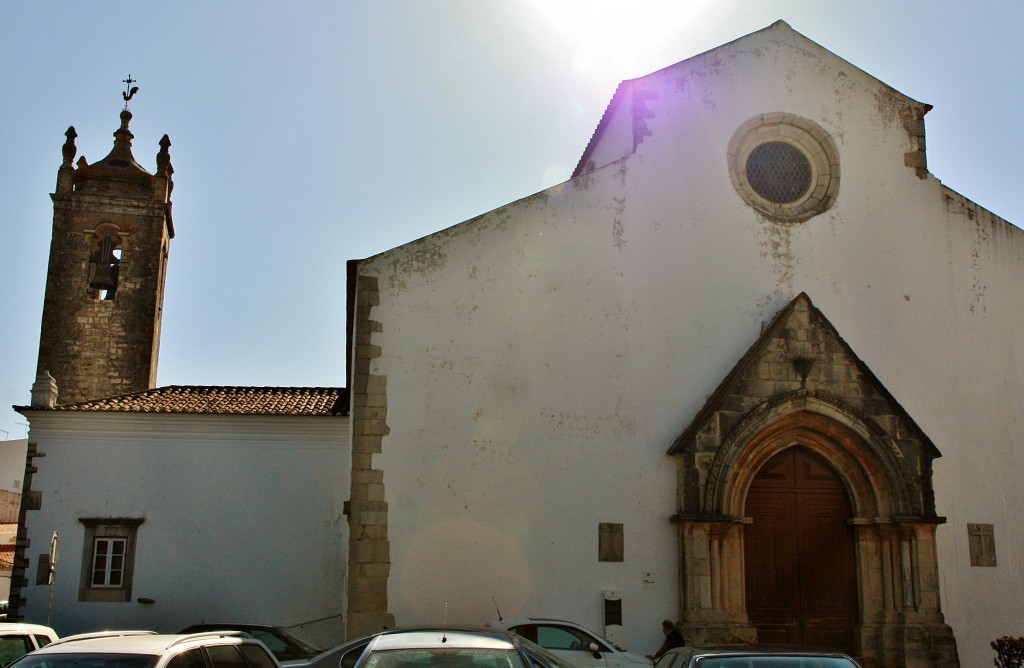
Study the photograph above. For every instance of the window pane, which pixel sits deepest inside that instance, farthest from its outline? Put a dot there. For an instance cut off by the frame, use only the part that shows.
(193, 658)
(553, 637)
(273, 643)
(779, 172)
(13, 647)
(108, 562)
(257, 657)
(225, 656)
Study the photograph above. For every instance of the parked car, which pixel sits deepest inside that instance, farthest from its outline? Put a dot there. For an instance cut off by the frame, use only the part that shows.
(751, 657)
(341, 656)
(285, 647)
(448, 648)
(149, 650)
(17, 640)
(577, 644)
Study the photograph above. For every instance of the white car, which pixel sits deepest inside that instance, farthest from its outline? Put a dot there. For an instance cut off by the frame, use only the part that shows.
(17, 640)
(141, 649)
(580, 646)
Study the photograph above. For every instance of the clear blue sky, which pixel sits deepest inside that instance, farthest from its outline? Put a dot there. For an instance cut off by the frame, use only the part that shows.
(309, 133)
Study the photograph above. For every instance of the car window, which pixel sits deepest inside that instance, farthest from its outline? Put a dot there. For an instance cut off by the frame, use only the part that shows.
(349, 658)
(563, 637)
(192, 658)
(273, 643)
(42, 641)
(13, 647)
(256, 656)
(226, 656)
(528, 631)
(444, 657)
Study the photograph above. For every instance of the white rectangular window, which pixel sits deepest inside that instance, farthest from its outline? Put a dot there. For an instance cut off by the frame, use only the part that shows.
(108, 562)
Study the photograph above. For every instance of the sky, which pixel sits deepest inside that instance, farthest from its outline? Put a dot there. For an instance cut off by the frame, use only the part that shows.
(308, 133)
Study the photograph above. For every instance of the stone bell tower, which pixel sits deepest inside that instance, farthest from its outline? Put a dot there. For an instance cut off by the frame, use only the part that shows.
(104, 298)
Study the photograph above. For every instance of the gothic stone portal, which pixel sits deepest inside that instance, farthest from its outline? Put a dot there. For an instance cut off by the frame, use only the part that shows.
(801, 390)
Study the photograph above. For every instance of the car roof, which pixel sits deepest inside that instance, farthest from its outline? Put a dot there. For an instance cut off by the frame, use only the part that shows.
(135, 643)
(427, 638)
(757, 650)
(229, 626)
(6, 627)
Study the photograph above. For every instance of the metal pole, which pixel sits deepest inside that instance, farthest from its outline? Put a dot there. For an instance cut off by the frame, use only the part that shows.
(54, 549)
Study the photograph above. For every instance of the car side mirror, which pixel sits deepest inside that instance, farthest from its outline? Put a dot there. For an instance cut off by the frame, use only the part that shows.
(595, 650)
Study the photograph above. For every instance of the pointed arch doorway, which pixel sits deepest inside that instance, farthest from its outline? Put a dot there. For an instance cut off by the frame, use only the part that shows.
(800, 559)
(801, 386)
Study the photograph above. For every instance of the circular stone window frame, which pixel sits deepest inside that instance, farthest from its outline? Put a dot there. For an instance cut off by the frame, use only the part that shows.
(811, 140)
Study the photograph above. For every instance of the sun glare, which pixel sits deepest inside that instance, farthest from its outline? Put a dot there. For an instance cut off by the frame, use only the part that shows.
(621, 38)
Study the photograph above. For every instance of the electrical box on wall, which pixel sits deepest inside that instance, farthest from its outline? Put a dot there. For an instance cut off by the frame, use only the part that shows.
(613, 616)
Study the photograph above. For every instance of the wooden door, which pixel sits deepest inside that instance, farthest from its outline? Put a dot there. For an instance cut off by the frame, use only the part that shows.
(800, 567)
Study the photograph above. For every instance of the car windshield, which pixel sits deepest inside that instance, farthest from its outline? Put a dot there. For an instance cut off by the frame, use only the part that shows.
(86, 660)
(444, 657)
(775, 662)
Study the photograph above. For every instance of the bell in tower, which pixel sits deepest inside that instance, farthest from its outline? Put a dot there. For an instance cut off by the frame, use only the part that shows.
(103, 269)
(102, 310)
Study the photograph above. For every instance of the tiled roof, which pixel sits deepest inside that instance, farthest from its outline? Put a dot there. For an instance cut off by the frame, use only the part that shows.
(216, 400)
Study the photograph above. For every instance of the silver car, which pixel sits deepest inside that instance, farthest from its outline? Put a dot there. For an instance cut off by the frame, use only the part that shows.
(449, 648)
(577, 644)
(751, 657)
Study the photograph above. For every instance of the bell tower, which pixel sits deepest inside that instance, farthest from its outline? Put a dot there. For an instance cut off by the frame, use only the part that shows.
(103, 306)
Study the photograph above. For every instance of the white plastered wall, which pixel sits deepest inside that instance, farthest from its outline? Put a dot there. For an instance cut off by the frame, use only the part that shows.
(243, 518)
(541, 358)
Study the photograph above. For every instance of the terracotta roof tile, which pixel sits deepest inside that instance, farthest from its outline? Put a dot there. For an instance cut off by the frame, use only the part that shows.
(221, 400)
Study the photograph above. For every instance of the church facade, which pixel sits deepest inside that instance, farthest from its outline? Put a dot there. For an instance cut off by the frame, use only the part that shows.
(753, 368)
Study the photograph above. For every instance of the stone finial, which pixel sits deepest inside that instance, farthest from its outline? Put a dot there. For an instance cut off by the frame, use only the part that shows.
(69, 149)
(123, 138)
(163, 158)
(44, 391)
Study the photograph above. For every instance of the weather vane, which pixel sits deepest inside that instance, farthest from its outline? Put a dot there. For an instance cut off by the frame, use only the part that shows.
(129, 91)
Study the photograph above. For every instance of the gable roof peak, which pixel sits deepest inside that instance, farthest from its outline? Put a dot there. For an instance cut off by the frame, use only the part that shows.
(628, 104)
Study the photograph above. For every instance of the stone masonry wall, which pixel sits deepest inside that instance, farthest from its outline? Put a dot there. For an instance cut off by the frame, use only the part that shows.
(369, 563)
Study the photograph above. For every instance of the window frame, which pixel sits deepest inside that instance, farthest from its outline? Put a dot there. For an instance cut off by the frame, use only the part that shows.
(810, 140)
(112, 531)
(105, 562)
